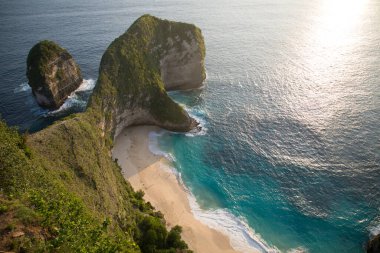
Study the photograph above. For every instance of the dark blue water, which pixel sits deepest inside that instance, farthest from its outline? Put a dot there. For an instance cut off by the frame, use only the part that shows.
(291, 107)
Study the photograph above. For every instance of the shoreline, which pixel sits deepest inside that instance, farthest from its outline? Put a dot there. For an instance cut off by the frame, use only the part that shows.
(150, 172)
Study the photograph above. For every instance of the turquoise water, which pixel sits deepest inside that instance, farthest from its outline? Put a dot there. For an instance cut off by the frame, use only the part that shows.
(292, 114)
(290, 109)
(298, 203)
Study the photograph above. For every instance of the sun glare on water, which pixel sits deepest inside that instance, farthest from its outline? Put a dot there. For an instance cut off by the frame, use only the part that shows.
(330, 48)
(338, 22)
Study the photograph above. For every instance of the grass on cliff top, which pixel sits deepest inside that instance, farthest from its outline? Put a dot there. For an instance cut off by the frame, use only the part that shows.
(63, 192)
(129, 74)
(44, 51)
(158, 31)
(38, 203)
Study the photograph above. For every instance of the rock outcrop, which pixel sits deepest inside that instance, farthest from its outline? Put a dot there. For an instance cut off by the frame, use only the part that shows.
(137, 68)
(373, 245)
(52, 73)
(182, 62)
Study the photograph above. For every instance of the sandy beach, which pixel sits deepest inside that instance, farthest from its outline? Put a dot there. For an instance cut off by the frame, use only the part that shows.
(144, 170)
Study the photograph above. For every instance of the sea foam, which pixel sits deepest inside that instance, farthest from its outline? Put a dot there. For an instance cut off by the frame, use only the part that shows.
(298, 250)
(154, 146)
(242, 237)
(74, 99)
(22, 88)
(375, 230)
(86, 85)
(200, 118)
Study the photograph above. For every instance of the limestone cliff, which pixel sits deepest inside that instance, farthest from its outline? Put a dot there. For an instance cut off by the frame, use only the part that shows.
(153, 55)
(182, 60)
(52, 74)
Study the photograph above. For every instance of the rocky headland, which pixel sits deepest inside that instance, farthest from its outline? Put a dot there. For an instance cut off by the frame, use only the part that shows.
(61, 190)
(138, 68)
(52, 74)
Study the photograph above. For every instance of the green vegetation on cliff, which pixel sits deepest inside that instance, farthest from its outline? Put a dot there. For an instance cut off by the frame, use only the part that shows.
(60, 190)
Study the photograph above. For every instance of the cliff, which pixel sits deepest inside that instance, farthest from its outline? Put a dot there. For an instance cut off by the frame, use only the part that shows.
(373, 245)
(137, 68)
(62, 191)
(52, 73)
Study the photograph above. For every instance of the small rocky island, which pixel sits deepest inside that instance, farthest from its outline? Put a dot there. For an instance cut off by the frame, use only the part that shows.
(52, 73)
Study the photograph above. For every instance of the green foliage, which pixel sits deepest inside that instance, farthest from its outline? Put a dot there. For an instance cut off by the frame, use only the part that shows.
(139, 194)
(72, 228)
(69, 187)
(27, 215)
(3, 208)
(155, 237)
(37, 196)
(154, 234)
(14, 160)
(174, 239)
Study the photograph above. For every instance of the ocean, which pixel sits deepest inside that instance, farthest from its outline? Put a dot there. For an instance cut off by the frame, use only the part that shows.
(288, 158)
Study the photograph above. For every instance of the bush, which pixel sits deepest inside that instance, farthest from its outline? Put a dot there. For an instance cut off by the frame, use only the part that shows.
(174, 239)
(153, 234)
(155, 237)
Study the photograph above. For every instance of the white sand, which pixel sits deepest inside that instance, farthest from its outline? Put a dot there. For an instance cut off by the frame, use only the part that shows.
(144, 171)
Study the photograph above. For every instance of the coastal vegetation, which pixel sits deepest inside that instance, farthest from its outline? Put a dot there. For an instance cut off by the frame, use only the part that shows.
(70, 207)
(61, 191)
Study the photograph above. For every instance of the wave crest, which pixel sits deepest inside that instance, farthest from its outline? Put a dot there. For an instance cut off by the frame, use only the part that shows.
(22, 88)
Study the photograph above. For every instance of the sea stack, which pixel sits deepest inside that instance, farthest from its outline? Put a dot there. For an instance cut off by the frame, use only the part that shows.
(52, 73)
(153, 56)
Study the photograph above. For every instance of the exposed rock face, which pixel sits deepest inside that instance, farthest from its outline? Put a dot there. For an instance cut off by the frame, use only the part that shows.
(153, 55)
(52, 74)
(374, 245)
(182, 66)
